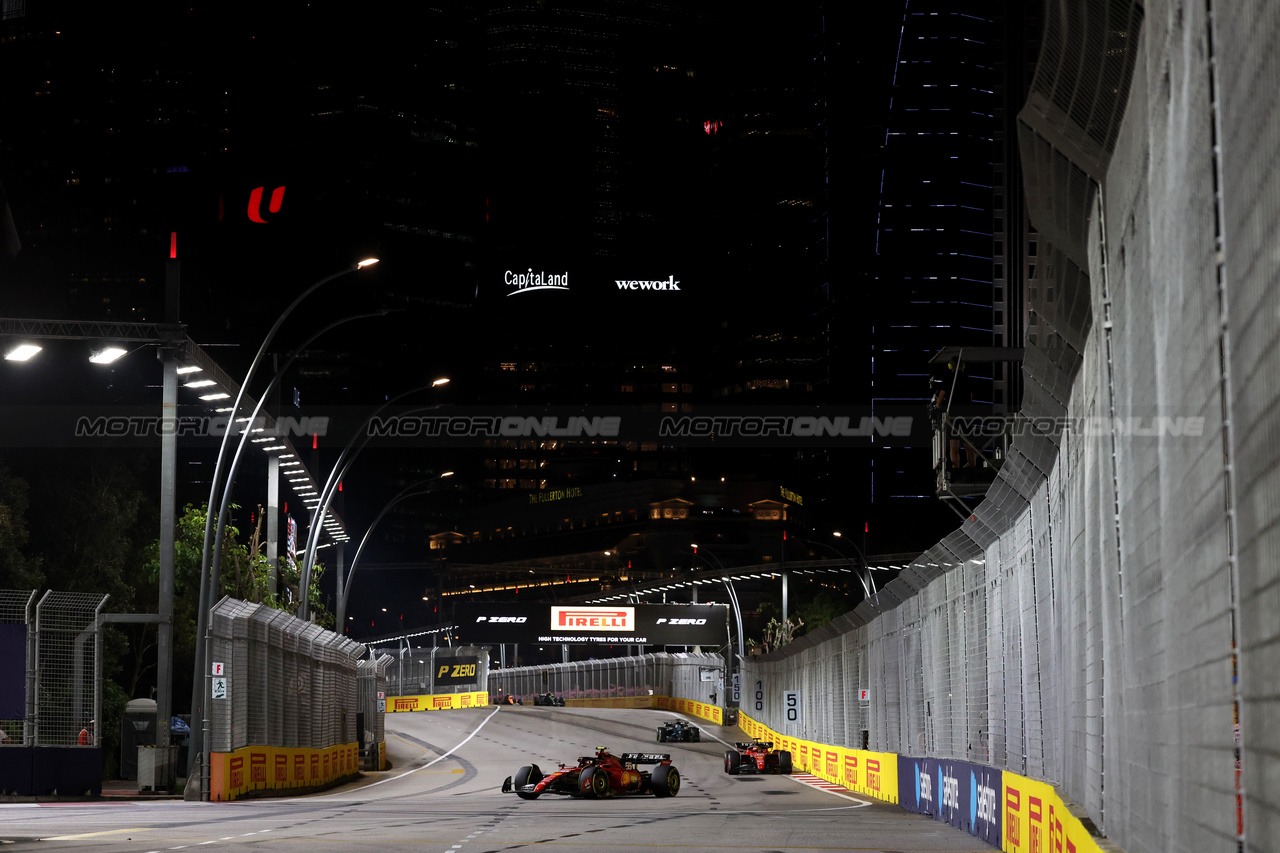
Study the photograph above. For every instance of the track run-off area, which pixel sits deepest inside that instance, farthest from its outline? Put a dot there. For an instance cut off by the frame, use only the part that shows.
(443, 793)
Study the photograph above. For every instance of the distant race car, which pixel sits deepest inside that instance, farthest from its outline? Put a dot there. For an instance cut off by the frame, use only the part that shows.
(549, 699)
(679, 730)
(507, 699)
(597, 776)
(757, 757)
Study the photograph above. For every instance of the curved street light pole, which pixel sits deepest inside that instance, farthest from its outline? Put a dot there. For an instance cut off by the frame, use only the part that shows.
(225, 508)
(344, 584)
(198, 686)
(737, 612)
(336, 474)
(863, 577)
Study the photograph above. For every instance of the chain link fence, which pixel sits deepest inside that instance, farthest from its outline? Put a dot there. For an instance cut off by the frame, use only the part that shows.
(435, 671)
(67, 669)
(680, 675)
(373, 692)
(279, 681)
(17, 667)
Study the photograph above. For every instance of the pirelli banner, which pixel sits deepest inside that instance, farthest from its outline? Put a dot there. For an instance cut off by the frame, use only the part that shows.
(633, 624)
(438, 702)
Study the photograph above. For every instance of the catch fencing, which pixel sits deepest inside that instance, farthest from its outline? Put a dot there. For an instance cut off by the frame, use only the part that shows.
(691, 676)
(1105, 619)
(284, 682)
(372, 694)
(435, 671)
(52, 679)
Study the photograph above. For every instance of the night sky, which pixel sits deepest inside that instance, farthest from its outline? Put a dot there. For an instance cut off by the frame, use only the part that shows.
(732, 148)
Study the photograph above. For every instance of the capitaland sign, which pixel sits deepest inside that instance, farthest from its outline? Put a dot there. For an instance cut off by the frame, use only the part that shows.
(621, 619)
(523, 282)
(669, 283)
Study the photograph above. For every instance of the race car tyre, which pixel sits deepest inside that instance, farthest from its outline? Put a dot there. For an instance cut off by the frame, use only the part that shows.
(530, 774)
(697, 737)
(594, 783)
(659, 737)
(664, 781)
(784, 762)
(732, 763)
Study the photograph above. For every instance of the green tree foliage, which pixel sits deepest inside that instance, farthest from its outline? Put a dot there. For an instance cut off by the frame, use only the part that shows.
(16, 570)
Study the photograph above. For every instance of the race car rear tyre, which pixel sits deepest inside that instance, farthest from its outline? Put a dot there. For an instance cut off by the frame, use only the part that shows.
(664, 781)
(697, 737)
(530, 774)
(732, 763)
(594, 783)
(784, 762)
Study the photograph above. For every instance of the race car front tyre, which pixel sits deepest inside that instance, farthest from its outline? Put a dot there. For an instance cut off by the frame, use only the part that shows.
(664, 781)
(784, 762)
(732, 763)
(594, 783)
(530, 774)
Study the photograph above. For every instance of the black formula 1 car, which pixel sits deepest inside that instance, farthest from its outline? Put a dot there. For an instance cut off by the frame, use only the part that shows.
(679, 730)
(757, 757)
(549, 699)
(598, 776)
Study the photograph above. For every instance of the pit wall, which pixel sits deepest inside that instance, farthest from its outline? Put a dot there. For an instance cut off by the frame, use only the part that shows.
(256, 771)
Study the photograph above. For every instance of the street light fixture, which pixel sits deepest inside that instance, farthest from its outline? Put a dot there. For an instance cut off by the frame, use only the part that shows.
(108, 354)
(22, 352)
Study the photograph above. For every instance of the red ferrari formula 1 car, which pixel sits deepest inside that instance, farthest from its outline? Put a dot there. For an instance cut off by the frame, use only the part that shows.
(757, 757)
(597, 776)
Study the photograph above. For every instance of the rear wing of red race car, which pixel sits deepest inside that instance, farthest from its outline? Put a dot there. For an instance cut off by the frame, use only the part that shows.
(646, 758)
(750, 744)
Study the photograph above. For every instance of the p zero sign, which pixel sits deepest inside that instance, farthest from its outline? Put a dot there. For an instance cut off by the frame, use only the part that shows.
(640, 624)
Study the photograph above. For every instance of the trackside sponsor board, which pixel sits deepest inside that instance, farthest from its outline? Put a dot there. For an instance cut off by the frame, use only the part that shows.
(1036, 819)
(640, 624)
(455, 671)
(437, 702)
(269, 769)
(965, 795)
(872, 773)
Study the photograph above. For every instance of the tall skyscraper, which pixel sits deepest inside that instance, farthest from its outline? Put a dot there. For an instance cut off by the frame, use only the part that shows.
(950, 238)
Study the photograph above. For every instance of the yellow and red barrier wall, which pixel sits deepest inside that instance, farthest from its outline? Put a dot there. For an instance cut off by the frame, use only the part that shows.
(702, 710)
(437, 702)
(1012, 812)
(274, 769)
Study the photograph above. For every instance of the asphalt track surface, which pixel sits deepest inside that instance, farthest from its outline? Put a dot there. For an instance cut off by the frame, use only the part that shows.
(443, 795)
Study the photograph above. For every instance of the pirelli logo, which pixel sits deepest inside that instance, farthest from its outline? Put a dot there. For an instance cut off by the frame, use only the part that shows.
(442, 701)
(851, 770)
(593, 619)
(405, 703)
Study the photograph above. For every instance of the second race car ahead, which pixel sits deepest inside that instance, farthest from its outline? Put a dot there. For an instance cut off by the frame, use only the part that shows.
(549, 699)
(679, 730)
(757, 757)
(597, 776)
